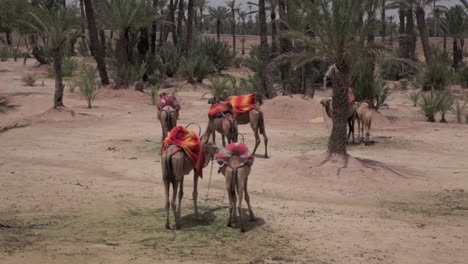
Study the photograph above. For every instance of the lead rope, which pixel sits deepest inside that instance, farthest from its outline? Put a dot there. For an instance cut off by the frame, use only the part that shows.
(209, 181)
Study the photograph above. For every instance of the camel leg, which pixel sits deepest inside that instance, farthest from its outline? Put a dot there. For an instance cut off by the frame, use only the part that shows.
(168, 205)
(175, 186)
(247, 200)
(257, 139)
(265, 141)
(179, 207)
(214, 136)
(240, 192)
(228, 189)
(224, 140)
(195, 192)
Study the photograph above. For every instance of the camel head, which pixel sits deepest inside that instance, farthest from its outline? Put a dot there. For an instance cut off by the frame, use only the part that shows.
(210, 151)
(162, 94)
(214, 100)
(325, 103)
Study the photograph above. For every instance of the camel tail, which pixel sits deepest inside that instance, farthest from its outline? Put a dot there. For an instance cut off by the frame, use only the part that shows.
(234, 181)
(261, 123)
(170, 120)
(169, 169)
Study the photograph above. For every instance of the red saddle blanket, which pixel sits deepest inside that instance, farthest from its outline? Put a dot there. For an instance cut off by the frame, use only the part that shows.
(243, 103)
(235, 149)
(170, 100)
(218, 108)
(190, 143)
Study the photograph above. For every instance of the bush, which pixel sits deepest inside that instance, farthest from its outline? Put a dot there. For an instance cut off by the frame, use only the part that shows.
(396, 70)
(218, 52)
(415, 96)
(170, 56)
(83, 48)
(381, 92)
(459, 110)
(428, 106)
(125, 75)
(29, 80)
(220, 87)
(196, 67)
(463, 76)
(4, 53)
(238, 61)
(16, 53)
(444, 104)
(439, 74)
(87, 84)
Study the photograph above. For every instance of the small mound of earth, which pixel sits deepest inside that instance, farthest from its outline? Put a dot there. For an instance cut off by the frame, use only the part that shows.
(292, 108)
(129, 93)
(60, 115)
(351, 175)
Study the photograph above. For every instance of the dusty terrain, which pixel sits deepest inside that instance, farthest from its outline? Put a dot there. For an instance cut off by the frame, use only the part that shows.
(87, 188)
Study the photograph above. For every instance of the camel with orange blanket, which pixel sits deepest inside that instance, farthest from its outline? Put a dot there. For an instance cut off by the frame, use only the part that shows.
(222, 120)
(246, 112)
(168, 113)
(182, 152)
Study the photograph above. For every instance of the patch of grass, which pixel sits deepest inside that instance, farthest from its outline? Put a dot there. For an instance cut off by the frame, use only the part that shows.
(4, 53)
(29, 80)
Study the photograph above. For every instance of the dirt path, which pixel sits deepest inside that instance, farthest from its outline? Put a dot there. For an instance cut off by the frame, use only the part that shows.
(87, 189)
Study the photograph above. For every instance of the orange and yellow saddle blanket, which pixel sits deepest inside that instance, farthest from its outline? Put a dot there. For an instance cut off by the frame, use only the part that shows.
(190, 143)
(243, 103)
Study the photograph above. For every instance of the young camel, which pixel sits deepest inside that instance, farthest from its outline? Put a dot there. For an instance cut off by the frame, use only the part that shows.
(168, 117)
(364, 120)
(257, 122)
(326, 103)
(175, 165)
(236, 174)
(225, 124)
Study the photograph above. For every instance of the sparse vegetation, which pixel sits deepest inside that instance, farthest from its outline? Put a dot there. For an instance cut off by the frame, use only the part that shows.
(4, 53)
(429, 104)
(29, 79)
(415, 96)
(87, 84)
(459, 109)
(153, 92)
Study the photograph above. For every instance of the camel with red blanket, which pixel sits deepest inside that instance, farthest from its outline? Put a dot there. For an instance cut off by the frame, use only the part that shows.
(222, 120)
(236, 162)
(246, 112)
(182, 152)
(168, 113)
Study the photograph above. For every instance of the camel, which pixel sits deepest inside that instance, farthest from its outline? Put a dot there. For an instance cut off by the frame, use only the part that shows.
(168, 117)
(326, 103)
(236, 174)
(226, 125)
(175, 165)
(257, 122)
(364, 120)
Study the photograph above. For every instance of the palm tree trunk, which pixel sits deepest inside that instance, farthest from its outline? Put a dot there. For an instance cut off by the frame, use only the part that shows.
(154, 28)
(445, 41)
(58, 95)
(338, 141)
(267, 77)
(274, 37)
(218, 28)
(102, 38)
(201, 20)
(402, 43)
(83, 16)
(421, 18)
(233, 28)
(8, 38)
(190, 25)
(383, 32)
(180, 17)
(121, 49)
(98, 53)
(455, 53)
(411, 34)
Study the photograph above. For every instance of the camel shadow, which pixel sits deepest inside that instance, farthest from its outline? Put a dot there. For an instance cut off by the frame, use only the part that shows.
(248, 224)
(204, 218)
(261, 156)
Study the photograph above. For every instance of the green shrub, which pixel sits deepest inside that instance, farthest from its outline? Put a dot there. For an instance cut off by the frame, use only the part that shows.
(218, 52)
(87, 84)
(16, 53)
(4, 53)
(381, 92)
(415, 96)
(125, 75)
(459, 110)
(404, 84)
(238, 61)
(428, 106)
(29, 80)
(395, 70)
(439, 74)
(220, 87)
(463, 76)
(170, 56)
(153, 92)
(195, 67)
(444, 104)
(83, 48)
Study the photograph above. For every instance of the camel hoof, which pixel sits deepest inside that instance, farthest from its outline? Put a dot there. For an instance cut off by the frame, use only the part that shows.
(168, 226)
(253, 219)
(242, 230)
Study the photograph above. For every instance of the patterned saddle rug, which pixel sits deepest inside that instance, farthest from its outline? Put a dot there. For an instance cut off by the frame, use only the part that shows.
(170, 100)
(243, 103)
(235, 149)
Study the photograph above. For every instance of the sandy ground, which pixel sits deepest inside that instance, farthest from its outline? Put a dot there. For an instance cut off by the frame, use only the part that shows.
(87, 188)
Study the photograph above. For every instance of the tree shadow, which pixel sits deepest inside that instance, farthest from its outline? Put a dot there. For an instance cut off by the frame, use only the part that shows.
(401, 171)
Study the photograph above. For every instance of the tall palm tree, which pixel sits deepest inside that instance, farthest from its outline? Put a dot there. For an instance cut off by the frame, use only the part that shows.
(341, 31)
(190, 12)
(59, 25)
(201, 5)
(219, 14)
(233, 8)
(274, 35)
(383, 8)
(180, 19)
(455, 24)
(123, 15)
(265, 52)
(420, 6)
(243, 17)
(97, 51)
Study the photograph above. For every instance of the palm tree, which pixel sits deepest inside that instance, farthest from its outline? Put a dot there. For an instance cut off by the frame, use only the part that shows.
(190, 24)
(219, 14)
(341, 31)
(201, 5)
(123, 15)
(232, 6)
(243, 17)
(180, 18)
(420, 6)
(59, 25)
(97, 51)
(383, 8)
(267, 74)
(455, 24)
